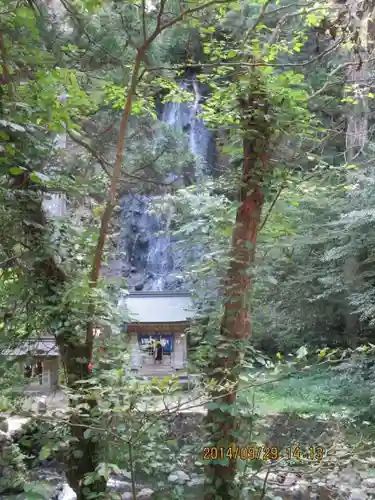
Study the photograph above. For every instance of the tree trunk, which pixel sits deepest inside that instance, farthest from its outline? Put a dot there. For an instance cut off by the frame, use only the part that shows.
(358, 79)
(83, 452)
(221, 422)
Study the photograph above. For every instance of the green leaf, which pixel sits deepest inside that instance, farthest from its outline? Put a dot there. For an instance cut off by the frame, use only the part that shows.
(16, 170)
(89, 478)
(44, 453)
(103, 470)
(115, 468)
(37, 491)
(35, 178)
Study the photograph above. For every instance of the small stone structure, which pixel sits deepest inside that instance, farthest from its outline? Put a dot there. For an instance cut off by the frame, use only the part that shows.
(38, 360)
(158, 317)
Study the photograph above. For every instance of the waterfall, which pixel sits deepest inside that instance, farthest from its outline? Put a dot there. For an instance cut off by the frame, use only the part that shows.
(199, 137)
(150, 256)
(185, 117)
(53, 203)
(159, 259)
(152, 259)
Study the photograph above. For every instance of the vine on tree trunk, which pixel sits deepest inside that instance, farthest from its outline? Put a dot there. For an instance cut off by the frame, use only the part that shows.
(221, 422)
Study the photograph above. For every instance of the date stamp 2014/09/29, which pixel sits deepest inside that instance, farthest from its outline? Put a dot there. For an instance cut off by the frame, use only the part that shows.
(313, 453)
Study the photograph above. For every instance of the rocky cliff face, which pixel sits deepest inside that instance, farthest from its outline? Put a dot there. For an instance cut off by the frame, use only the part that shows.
(150, 255)
(149, 258)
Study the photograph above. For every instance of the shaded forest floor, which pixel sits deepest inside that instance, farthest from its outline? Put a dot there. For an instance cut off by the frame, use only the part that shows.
(301, 403)
(327, 408)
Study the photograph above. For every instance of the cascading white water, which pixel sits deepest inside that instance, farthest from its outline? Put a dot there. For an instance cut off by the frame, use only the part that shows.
(159, 258)
(53, 203)
(151, 257)
(185, 117)
(146, 242)
(199, 137)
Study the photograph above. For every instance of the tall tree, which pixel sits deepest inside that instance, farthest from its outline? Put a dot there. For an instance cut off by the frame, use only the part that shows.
(358, 80)
(266, 114)
(235, 326)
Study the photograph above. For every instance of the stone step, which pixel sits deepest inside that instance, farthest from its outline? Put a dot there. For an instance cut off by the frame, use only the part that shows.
(156, 373)
(160, 372)
(157, 367)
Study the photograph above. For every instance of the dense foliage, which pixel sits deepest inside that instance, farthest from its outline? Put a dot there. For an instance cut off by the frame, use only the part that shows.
(286, 94)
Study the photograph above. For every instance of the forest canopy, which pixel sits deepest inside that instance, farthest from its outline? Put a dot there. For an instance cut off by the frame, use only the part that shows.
(222, 149)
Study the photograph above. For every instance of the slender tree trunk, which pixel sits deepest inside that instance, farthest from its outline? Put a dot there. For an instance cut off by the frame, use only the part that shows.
(221, 422)
(77, 356)
(356, 141)
(4, 65)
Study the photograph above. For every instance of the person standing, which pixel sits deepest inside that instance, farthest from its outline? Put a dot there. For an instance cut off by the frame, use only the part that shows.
(158, 353)
(39, 371)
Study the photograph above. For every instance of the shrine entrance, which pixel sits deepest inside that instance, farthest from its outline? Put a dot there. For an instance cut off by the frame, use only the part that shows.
(147, 344)
(158, 317)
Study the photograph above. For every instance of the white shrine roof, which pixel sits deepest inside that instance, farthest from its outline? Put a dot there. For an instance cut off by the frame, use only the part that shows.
(158, 307)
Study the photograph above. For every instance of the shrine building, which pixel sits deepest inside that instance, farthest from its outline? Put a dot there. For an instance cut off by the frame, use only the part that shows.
(158, 317)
